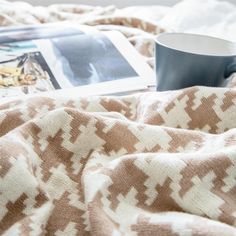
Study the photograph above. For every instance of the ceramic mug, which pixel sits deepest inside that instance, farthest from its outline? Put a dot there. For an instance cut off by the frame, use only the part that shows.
(184, 60)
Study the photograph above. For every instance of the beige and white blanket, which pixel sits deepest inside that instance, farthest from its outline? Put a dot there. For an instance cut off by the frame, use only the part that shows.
(146, 164)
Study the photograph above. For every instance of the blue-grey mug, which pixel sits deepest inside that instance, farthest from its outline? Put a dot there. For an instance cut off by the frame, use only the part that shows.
(185, 60)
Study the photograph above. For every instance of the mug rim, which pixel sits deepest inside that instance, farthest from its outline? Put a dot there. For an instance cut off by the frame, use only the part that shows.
(194, 35)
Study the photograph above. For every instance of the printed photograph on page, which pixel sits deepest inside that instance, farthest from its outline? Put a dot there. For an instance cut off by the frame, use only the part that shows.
(23, 70)
(80, 60)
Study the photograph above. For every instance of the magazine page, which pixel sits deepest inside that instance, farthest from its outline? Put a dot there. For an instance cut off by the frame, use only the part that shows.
(44, 31)
(82, 60)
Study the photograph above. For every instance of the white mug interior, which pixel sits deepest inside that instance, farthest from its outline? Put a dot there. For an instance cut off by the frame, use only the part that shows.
(197, 44)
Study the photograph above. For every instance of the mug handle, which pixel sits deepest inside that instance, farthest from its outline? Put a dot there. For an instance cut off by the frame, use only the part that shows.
(230, 69)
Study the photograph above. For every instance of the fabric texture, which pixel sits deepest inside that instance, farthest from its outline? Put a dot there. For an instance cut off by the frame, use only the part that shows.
(145, 164)
(209, 17)
(148, 164)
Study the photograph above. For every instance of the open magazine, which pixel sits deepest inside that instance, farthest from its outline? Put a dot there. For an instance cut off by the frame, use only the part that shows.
(68, 58)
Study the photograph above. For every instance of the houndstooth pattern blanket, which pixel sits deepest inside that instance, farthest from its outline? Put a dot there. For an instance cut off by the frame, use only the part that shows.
(146, 164)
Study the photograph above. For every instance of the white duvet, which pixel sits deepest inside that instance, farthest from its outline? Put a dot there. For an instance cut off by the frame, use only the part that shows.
(210, 17)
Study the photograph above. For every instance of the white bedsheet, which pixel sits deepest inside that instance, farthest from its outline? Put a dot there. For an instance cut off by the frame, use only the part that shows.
(210, 17)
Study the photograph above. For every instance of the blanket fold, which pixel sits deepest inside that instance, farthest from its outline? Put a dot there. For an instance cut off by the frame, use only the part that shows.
(145, 164)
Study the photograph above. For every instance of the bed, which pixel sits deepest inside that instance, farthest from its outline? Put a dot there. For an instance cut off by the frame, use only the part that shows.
(156, 163)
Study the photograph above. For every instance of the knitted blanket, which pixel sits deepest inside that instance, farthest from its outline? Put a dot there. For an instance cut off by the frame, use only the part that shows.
(145, 164)
(148, 164)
